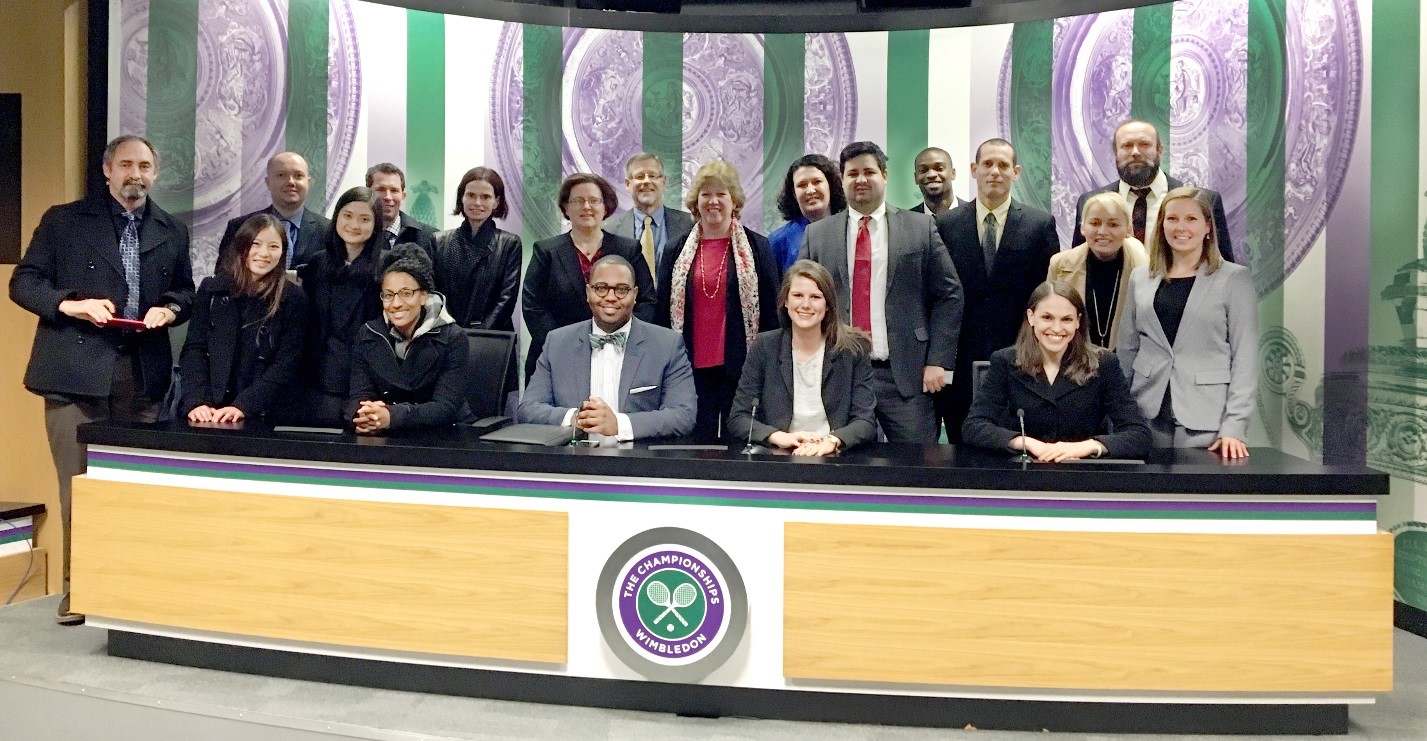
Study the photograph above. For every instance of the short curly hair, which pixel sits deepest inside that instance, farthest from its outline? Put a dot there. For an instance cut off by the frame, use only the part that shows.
(411, 259)
(720, 173)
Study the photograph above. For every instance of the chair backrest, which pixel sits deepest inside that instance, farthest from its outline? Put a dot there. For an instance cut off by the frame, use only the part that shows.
(488, 370)
(979, 369)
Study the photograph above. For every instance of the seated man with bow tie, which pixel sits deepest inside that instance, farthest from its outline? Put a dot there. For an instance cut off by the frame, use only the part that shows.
(615, 377)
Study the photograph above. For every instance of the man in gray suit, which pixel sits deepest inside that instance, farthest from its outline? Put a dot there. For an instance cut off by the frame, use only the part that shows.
(617, 377)
(650, 222)
(895, 281)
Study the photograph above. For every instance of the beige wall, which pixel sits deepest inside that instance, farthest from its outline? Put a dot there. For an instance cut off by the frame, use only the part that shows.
(45, 65)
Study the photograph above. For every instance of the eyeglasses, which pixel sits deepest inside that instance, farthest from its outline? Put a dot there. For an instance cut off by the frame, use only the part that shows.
(405, 294)
(587, 202)
(603, 289)
(640, 177)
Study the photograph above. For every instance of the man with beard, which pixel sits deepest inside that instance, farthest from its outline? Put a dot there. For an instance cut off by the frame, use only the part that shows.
(1143, 184)
(933, 172)
(114, 258)
(650, 222)
(897, 283)
(389, 183)
(288, 181)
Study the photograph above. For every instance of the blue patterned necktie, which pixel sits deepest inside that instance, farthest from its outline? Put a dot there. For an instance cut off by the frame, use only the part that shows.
(292, 231)
(129, 255)
(598, 341)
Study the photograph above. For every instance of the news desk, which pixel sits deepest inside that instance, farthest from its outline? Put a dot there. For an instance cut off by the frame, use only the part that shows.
(894, 584)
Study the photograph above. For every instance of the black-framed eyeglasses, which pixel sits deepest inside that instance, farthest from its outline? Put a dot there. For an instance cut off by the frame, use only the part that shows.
(602, 289)
(405, 294)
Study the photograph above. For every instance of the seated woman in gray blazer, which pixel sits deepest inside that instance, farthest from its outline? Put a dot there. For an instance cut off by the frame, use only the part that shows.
(806, 386)
(1189, 335)
(1071, 394)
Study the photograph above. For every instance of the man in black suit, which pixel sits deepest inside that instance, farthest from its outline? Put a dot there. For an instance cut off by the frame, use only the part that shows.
(895, 281)
(1143, 184)
(114, 256)
(934, 173)
(389, 183)
(288, 182)
(1002, 250)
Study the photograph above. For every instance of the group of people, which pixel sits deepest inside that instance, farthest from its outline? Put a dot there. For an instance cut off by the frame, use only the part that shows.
(855, 319)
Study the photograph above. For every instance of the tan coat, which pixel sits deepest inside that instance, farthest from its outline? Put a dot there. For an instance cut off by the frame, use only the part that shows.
(1069, 267)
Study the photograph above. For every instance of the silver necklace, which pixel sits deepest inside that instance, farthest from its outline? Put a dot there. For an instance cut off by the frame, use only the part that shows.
(1102, 328)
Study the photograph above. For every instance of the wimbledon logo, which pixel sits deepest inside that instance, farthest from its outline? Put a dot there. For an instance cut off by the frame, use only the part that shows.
(671, 604)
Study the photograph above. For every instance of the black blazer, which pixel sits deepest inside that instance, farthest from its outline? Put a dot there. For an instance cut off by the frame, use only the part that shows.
(415, 232)
(480, 283)
(426, 389)
(768, 380)
(1058, 412)
(272, 349)
(995, 304)
(310, 235)
(735, 343)
(74, 254)
(554, 291)
(1221, 223)
(338, 304)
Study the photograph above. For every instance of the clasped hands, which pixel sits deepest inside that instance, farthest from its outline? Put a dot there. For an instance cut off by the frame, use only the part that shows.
(372, 416)
(1055, 452)
(205, 414)
(98, 311)
(596, 416)
(803, 443)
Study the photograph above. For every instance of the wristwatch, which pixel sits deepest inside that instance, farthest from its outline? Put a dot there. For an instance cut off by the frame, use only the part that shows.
(175, 308)
(836, 442)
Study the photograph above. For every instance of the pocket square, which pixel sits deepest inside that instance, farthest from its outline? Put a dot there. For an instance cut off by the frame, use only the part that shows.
(642, 389)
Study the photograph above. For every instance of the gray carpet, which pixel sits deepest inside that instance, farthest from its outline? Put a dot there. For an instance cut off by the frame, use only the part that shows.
(36, 653)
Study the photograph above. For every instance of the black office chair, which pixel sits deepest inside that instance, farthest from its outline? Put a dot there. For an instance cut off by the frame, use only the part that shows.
(979, 369)
(488, 374)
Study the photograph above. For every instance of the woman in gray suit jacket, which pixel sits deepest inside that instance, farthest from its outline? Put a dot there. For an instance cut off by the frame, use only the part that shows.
(1189, 334)
(807, 386)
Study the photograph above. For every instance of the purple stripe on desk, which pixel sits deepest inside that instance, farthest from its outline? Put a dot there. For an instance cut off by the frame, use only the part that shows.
(586, 488)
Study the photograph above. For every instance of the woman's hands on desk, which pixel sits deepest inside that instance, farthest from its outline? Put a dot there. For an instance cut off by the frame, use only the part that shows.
(1055, 452)
(1230, 447)
(372, 416)
(204, 414)
(803, 443)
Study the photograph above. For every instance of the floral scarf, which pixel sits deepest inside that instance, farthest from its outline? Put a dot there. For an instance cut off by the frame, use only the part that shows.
(743, 268)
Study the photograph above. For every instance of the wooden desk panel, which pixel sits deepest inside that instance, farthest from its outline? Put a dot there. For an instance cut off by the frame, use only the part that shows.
(1126, 611)
(460, 581)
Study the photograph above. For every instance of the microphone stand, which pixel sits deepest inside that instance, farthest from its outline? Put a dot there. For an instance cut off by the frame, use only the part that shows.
(1021, 417)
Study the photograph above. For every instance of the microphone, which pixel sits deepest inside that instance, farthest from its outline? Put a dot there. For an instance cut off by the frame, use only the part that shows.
(1021, 417)
(749, 448)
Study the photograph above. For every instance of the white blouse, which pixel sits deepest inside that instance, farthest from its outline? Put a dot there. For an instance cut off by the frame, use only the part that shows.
(808, 412)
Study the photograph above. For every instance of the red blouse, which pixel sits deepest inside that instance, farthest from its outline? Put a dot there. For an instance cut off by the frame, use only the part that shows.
(709, 276)
(586, 263)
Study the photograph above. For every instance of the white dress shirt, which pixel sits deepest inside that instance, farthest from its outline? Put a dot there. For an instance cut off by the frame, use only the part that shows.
(877, 228)
(1158, 187)
(606, 364)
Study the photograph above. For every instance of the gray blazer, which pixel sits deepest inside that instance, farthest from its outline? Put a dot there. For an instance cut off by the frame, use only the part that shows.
(924, 299)
(675, 222)
(1212, 370)
(656, 383)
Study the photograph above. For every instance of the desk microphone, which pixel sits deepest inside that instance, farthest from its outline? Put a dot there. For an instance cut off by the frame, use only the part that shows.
(749, 448)
(1021, 417)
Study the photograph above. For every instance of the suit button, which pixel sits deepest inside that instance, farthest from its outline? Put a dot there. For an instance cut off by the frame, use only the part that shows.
(91, 266)
(81, 340)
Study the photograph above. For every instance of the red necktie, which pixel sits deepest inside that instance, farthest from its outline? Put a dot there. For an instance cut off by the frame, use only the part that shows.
(862, 278)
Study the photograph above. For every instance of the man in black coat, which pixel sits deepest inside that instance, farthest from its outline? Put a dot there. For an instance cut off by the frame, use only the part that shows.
(389, 183)
(116, 256)
(1002, 250)
(1143, 184)
(288, 182)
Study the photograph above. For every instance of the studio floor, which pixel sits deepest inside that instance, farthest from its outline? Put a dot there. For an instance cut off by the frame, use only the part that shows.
(58, 683)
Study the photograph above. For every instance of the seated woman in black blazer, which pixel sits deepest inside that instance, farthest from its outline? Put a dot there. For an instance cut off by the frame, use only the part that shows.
(409, 366)
(1067, 387)
(244, 343)
(811, 379)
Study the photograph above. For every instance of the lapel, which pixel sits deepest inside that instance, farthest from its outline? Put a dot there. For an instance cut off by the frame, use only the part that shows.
(1156, 330)
(157, 231)
(898, 243)
(1010, 232)
(835, 260)
(969, 245)
(785, 362)
(629, 367)
(102, 236)
(482, 253)
(567, 266)
(1051, 392)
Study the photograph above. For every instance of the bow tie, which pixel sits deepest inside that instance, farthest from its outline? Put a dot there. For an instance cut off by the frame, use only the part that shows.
(598, 341)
